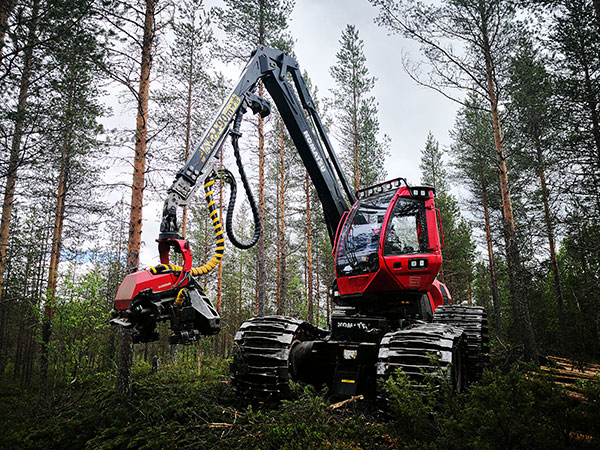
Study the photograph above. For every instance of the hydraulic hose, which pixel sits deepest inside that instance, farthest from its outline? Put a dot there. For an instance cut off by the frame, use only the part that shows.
(219, 240)
(228, 177)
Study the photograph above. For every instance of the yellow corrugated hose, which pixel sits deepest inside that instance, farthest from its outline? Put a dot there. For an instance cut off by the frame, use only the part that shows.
(219, 241)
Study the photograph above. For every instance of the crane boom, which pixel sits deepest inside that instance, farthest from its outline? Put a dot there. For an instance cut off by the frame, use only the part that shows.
(301, 119)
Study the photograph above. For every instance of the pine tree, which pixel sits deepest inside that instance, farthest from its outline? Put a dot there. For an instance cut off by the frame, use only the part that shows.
(138, 184)
(486, 31)
(363, 153)
(574, 36)
(249, 23)
(190, 92)
(74, 111)
(15, 157)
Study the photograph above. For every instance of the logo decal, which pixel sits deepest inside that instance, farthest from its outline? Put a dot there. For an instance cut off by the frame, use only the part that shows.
(217, 129)
(414, 281)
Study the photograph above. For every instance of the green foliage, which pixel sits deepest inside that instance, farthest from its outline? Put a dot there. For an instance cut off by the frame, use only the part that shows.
(505, 410)
(307, 421)
(249, 23)
(363, 150)
(459, 249)
(410, 407)
(181, 407)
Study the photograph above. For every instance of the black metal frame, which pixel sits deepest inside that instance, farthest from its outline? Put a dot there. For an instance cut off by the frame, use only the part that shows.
(270, 66)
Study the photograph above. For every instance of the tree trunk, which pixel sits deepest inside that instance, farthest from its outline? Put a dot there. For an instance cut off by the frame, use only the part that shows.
(282, 253)
(14, 160)
(517, 287)
(123, 384)
(492, 264)
(261, 293)
(261, 275)
(551, 243)
(309, 251)
(57, 232)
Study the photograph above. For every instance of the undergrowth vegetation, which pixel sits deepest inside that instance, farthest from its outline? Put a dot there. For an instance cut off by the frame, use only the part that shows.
(181, 408)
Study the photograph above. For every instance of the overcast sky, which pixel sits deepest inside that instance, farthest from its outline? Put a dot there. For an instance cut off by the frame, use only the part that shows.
(407, 112)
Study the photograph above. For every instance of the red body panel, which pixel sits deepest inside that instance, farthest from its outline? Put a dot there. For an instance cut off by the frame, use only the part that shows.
(438, 295)
(394, 273)
(136, 282)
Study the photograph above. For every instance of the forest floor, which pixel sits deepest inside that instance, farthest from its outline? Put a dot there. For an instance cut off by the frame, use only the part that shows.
(185, 407)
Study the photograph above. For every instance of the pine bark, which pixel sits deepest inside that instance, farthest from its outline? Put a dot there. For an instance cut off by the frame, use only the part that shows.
(261, 293)
(492, 264)
(14, 160)
(261, 276)
(551, 242)
(517, 286)
(137, 189)
(282, 250)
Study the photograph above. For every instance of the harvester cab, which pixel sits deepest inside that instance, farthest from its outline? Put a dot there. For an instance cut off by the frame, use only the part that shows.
(390, 241)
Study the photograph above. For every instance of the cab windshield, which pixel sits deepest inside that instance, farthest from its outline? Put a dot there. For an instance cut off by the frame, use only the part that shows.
(407, 231)
(358, 252)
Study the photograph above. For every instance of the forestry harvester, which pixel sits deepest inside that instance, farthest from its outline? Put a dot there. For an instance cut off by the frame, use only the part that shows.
(390, 310)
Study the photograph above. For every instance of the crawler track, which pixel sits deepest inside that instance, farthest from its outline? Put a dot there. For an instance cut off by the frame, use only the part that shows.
(473, 320)
(260, 367)
(412, 350)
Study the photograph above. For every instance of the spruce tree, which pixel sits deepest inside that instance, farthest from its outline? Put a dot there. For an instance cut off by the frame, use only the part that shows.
(537, 135)
(458, 252)
(472, 152)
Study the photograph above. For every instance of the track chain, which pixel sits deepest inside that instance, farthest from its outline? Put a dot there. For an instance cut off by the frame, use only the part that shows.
(473, 319)
(261, 350)
(412, 349)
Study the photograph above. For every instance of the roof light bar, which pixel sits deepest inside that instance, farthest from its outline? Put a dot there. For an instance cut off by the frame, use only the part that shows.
(379, 188)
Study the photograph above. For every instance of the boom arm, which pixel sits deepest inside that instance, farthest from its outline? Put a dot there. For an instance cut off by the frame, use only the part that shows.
(271, 66)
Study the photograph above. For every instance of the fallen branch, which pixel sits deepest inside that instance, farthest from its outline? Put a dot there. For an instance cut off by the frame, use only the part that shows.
(219, 425)
(344, 402)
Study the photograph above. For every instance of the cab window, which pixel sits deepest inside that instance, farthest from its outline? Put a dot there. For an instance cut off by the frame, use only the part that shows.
(358, 251)
(407, 230)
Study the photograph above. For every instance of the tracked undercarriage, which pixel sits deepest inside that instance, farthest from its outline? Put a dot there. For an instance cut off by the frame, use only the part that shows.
(358, 352)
